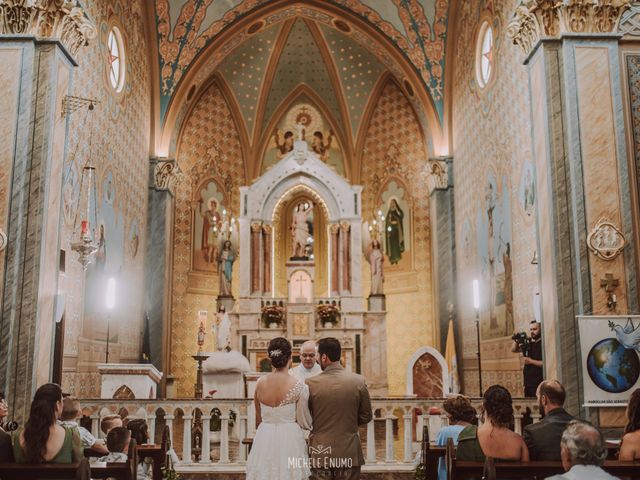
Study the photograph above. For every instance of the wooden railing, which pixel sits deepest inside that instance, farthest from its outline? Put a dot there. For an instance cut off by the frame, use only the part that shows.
(390, 439)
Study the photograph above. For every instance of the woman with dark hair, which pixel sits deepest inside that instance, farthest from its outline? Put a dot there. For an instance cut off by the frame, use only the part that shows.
(461, 414)
(43, 440)
(279, 449)
(494, 438)
(630, 446)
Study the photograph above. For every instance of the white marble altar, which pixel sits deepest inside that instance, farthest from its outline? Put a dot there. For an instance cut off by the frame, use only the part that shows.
(223, 372)
(141, 379)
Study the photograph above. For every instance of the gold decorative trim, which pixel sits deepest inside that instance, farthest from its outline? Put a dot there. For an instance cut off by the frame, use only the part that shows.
(3, 240)
(61, 19)
(605, 240)
(537, 19)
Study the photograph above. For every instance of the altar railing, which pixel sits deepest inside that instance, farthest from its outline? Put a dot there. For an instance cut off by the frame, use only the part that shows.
(390, 439)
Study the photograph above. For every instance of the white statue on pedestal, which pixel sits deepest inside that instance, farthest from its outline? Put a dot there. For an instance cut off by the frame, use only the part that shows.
(222, 331)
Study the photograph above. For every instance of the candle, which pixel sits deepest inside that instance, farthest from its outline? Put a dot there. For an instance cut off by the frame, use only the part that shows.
(84, 229)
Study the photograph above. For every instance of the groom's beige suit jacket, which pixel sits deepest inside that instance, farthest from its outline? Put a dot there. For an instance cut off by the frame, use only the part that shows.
(339, 402)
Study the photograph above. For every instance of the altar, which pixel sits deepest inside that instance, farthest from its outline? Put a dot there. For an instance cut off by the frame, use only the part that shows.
(300, 252)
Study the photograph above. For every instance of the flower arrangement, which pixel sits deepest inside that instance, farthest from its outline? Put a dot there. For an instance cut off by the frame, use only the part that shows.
(272, 314)
(328, 313)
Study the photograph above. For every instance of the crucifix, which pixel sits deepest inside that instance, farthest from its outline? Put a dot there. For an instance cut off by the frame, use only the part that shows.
(610, 284)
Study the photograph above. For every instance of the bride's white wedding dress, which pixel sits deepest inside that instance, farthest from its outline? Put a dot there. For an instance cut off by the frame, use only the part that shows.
(279, 451)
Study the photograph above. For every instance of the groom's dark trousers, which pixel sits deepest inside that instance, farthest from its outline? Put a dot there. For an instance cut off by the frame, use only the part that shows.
(339, 403)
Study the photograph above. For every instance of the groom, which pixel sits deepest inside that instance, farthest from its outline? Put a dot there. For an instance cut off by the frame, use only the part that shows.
(339, 403)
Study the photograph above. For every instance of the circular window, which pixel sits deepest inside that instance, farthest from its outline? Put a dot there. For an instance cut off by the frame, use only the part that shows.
(115, 60)
(484, 55)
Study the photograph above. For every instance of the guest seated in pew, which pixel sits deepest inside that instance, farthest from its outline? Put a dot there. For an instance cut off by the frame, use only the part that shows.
(118, 444)
(583, 451)
(43, 440)
(70, 412)
(6, 455)
(543, 438)
(461, 414)
(140, 433)
(110, 421)
(630, 446)
(495, 437)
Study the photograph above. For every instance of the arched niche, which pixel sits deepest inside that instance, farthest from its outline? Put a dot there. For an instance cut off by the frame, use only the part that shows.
(427, 374)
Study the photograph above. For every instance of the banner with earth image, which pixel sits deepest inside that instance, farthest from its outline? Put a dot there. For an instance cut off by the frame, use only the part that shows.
(610, 349)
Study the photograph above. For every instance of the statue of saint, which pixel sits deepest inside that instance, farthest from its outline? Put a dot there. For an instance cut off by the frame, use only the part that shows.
(301, 231)
(222, 331)
(394, 230)
(375, 258)
(225, 268)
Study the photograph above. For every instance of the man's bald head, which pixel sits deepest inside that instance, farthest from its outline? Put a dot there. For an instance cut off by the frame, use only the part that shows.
(308, 353)
(553, 391)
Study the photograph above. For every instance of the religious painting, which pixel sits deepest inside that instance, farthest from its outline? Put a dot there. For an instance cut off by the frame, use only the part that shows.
(134, 238)
(494, 254)
(70, 193)
(465, 234)
(427, 377)
(209, 211)
(397, 225)
(526, 189)
(304, 120)
(300, 324)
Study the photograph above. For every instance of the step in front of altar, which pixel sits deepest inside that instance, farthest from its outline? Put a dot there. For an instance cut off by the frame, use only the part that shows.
(235, 472)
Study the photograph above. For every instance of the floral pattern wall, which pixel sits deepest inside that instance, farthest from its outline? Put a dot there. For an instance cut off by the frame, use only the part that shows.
(115, 139)
(494, 196)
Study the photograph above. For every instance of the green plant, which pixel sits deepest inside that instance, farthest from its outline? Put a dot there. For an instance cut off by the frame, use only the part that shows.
(215, 424)
(421, 472)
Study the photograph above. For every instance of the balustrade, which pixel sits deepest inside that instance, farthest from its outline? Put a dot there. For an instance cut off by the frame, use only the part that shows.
(391, 439)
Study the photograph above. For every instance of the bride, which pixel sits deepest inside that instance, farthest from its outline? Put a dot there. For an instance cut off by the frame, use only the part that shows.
(279, 450)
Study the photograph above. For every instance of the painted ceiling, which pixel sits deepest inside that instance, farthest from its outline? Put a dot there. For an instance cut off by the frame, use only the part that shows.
(312, 50)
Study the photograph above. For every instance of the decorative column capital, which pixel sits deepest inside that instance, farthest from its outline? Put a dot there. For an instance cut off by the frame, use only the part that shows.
(334, 228)
(256, 227)
(61, 19)
(437, 173)
(165, 174)
(534, 20)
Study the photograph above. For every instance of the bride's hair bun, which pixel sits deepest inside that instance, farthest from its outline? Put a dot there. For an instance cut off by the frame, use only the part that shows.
(279, 351)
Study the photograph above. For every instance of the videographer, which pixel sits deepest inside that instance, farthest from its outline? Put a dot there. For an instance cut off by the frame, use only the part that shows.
(531, 349)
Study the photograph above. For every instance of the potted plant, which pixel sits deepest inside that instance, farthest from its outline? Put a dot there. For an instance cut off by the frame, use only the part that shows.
(215, 424)
(272, 316)
(328, 314)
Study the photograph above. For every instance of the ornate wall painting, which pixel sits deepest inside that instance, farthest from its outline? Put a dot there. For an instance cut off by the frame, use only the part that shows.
(494, 255)
(70, 193)
(467, 245)
(133, 238)
(209, 207)
(396, 208)
(526, 189)
(318, 134)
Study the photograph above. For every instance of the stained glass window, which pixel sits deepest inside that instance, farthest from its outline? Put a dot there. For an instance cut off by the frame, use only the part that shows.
(115, 59)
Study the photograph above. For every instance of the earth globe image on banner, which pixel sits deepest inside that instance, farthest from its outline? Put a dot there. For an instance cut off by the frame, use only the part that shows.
(612, 367)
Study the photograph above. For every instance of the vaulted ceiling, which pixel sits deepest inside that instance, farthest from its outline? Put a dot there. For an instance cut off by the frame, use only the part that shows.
(339, 50)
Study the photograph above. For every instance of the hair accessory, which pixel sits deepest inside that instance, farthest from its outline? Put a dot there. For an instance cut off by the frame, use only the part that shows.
(275, 353)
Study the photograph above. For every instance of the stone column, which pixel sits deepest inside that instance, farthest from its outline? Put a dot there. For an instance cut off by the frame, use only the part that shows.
(582, 178)
(266, 255)
(163, 177)
(36, 54)
(345, 261)
(256, 257)
(443, 240)
(335, 263)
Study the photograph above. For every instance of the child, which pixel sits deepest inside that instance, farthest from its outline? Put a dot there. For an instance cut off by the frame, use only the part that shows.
(118, 444)
(71, 411)
(110, 421)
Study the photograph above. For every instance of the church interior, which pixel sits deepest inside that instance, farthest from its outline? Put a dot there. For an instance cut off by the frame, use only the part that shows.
(182, 181)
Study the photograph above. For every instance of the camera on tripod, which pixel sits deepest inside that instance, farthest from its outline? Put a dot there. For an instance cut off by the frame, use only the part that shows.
(522, 339)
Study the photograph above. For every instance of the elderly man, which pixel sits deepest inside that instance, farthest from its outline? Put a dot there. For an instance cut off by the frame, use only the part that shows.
(583, 451)
(543, 438)
(308, 366)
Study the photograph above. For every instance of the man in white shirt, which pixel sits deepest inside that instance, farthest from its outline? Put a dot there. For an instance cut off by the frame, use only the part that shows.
(308, 366)
(583, 451)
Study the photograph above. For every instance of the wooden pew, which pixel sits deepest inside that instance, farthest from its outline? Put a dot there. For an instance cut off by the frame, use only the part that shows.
(22, 471)
(491, 470)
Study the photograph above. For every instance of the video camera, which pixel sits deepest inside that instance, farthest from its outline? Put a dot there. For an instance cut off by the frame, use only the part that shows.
(523, 341)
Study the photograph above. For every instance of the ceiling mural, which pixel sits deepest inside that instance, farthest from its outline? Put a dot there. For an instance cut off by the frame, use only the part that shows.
(416, 27)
